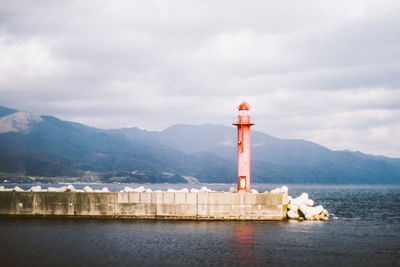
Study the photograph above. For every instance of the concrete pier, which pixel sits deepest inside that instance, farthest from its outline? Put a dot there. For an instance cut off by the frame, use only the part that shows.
(147, 205)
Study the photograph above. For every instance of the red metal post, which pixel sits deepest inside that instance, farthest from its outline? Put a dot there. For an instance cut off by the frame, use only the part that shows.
(243, 123)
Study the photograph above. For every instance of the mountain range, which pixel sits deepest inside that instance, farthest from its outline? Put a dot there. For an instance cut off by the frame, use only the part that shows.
(45, 146)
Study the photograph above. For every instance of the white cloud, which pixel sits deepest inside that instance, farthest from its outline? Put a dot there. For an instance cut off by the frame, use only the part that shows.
(25, 59)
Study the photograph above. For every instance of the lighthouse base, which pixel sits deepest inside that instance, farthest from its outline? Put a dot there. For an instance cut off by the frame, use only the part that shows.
(148, 205)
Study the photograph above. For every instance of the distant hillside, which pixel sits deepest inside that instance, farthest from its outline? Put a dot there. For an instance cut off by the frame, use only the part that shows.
(4, 111)
(52, 147)
(277, 160)
(33, 145)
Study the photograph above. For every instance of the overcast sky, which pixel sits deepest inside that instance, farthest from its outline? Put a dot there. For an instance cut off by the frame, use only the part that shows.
(324, 71)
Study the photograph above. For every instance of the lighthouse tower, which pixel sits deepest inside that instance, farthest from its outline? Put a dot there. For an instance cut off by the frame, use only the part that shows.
(243, 123)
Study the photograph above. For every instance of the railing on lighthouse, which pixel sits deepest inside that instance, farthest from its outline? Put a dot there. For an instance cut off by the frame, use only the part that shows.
(243, 124)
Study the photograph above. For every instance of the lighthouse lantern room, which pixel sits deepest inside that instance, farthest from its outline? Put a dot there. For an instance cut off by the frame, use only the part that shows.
(243, 164)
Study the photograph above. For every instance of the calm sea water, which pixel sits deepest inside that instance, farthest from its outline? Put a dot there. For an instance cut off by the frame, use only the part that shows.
(364, 230)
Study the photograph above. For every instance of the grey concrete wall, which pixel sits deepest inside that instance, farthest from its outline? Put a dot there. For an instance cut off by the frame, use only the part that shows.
(154, 205)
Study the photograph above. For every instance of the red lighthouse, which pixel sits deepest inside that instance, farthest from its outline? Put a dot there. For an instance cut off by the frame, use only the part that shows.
(243, 123)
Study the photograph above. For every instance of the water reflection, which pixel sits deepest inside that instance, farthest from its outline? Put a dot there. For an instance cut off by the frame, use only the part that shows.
(243, 243)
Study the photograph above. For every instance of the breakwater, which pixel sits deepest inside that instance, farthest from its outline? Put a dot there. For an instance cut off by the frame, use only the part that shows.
(147, 205)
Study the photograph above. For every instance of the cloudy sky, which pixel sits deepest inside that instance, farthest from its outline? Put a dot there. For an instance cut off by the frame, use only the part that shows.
(324, 71)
